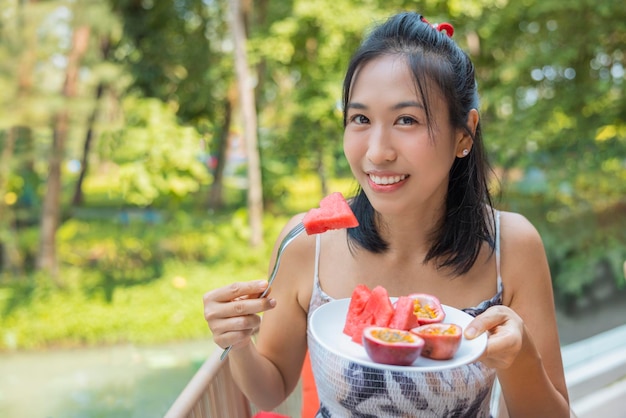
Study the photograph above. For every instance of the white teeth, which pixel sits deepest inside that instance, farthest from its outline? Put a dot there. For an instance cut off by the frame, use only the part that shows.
(387, 180)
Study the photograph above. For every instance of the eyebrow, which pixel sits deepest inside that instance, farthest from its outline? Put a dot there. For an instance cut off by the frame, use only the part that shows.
(401, 105)
(410, 103)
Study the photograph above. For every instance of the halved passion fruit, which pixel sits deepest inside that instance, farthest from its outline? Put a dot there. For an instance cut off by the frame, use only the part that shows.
(392, 346)
(441, 341)
(427, 308)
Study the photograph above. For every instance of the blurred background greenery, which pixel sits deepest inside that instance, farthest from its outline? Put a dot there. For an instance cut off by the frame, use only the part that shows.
(124, 188)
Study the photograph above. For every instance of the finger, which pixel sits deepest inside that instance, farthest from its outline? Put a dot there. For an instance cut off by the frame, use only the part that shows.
(486, 321)
(238, 328)
(245, 307)
(502, 348)
(236, 290)
(233, 337)
(215, 314)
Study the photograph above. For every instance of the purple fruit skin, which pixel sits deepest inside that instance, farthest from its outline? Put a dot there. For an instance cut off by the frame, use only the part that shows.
(397, 353)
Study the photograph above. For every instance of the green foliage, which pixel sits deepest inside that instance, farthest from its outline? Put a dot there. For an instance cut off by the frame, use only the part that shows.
(154, 154)
(585, 248)
(551, 75)
(130, 282)
(174, 51)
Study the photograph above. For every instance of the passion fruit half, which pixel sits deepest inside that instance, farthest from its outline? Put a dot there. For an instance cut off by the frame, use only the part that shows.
(427, 308)
(441, 341)
(392, 346)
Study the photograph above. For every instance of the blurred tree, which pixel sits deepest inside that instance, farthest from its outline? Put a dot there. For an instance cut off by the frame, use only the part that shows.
(552, 81)
(155, 157)
(77, 200)
(16, 139)
(179, 52)
(51, 211)
(237, 19)
(553, 85)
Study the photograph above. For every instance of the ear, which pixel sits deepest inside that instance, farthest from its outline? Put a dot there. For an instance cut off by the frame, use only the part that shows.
(464, 140)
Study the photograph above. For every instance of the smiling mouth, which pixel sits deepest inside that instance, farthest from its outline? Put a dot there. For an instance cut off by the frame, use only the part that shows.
(386, 180)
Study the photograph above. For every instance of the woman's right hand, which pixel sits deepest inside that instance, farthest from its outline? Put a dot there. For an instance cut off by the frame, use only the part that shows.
(232, 312)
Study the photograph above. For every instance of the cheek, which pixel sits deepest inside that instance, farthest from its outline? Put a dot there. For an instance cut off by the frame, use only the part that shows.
(350, 149)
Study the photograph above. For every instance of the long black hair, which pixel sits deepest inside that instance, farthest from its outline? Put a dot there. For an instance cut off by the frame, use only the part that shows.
(432, 56)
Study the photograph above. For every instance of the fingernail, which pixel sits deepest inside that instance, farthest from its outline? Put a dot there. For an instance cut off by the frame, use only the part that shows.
(261, 283)
(470, 332)
(272, 302)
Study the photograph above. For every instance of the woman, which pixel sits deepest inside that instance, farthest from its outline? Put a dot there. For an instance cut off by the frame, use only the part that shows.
(413, 141)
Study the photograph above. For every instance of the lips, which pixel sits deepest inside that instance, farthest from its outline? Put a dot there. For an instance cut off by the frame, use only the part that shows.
(387, 180)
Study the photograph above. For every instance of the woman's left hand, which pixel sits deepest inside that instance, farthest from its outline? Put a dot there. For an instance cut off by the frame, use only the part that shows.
(505, 330)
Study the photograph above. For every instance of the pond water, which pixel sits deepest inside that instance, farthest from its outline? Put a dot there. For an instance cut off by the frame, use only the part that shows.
(107, 382)
(128, 381)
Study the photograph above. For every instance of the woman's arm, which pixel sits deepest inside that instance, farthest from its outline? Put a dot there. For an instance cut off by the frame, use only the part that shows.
(268, 371)
(523, 340)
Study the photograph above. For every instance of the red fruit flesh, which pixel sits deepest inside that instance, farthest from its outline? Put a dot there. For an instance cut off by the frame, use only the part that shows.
(392, 346)
(441, 341)
(360, 296)
(377, 311)
(333, 213)
(404, 314)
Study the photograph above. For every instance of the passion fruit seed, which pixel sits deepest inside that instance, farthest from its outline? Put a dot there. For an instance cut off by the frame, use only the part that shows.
(392, 335)
(439, 330)
(423, 311)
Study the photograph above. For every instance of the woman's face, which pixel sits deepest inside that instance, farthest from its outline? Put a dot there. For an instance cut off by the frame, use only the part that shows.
(388, 143)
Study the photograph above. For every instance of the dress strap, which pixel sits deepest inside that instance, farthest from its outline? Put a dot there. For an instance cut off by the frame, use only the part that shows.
(497, 251)
(318, 245)
(318, 296)
(497, 298)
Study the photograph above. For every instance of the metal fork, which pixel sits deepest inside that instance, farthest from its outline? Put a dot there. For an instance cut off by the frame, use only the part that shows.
(297, 230)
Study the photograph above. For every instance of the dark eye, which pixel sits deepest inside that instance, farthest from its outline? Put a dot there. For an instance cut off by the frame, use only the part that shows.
(359, 119)
(406, 120)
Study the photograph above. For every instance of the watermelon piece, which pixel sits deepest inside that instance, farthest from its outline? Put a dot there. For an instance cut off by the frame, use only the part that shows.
(380, 306)
(377, 312)
(360, 296)
(404, 317)
(333, 213)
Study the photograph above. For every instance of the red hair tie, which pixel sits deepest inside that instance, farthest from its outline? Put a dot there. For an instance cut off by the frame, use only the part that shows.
(445, 27)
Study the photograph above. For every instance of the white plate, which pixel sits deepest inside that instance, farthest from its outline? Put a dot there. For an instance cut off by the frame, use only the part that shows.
(327, 322)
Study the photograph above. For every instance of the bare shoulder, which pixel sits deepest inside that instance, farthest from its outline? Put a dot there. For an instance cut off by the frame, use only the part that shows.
(524, 263)
(517, 230)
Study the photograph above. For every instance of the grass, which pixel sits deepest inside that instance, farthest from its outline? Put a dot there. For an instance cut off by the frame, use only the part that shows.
(134, 283)
(167, 309)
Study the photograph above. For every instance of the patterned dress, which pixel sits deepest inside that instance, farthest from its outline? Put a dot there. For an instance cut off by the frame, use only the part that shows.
(348, 389)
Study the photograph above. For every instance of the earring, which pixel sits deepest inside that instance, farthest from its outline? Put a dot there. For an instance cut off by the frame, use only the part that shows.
(465, 152)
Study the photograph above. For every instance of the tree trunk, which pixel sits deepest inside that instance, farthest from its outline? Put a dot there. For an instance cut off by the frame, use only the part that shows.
(77, 200)
(248, 111)
(51, 211)
(216, 196)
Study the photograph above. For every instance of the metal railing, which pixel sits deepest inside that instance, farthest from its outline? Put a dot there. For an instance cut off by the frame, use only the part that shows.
(212, 393)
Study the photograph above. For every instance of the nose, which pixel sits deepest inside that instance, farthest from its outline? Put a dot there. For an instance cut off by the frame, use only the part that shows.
(380, 146)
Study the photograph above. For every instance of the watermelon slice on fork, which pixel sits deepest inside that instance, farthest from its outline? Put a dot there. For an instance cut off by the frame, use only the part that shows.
(333, 213)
